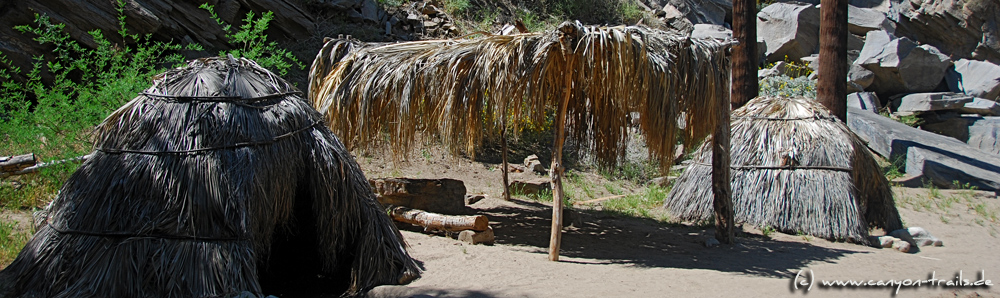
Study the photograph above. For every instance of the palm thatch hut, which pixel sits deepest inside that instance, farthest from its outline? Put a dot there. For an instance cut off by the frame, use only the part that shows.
(218, 180)
(383, 95)
(796, 168)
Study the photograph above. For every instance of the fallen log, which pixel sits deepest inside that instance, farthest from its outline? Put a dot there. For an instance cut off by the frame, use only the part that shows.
(430, 220)
(36, 166)
(10, 164)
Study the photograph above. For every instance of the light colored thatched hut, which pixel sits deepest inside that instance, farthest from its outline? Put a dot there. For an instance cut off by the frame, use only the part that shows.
(796, 168)
(382, 95)
(218, 180)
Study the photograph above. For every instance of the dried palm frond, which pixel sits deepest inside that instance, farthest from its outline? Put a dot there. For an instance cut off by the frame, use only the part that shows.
(795, 168)
(380, 95)
(217, 180)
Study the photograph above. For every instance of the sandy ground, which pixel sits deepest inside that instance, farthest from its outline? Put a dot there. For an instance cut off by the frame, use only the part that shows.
(607, 256)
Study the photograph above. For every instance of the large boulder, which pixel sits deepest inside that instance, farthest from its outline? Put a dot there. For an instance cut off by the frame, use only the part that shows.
(962, 29)
(445, 196)
(862, 20)
(859, 77)
(866, 101)
(976, 78)
(788, 30)
(717, 12)
(918, 103)
(900, 65)
(702, 31)
(981, 106)
(935, 158)
(978, 132)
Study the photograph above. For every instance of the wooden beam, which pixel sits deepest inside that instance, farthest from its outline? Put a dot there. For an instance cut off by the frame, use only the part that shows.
(437, 221)
(10, 164)
(831, 89)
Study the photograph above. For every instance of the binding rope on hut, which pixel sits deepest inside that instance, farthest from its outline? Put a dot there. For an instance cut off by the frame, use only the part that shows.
(373, 94)
(219, 180)
(796, 168)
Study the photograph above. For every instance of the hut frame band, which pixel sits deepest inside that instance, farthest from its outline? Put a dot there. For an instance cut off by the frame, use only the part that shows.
(201, 150)
(132, 235)
(230, 99)
(757, 167)
(787, 119)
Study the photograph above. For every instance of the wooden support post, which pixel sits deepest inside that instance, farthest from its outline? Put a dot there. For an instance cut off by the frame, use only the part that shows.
(831, 89)
(503, 147)
(556, 170)
(723, 201)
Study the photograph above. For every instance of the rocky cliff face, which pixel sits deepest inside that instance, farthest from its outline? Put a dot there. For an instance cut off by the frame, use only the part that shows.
(178, 21)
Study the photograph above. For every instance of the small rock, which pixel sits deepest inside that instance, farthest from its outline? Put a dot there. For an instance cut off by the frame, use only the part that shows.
(532, 186)
(923, 238)
(533, 164)
(472, 237)
(901, 246)
(473, 198)
(712, 242)
(885, 241)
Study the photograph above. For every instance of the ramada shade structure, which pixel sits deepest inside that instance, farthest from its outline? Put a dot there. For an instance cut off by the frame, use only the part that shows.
(375, 95)
(219, 180)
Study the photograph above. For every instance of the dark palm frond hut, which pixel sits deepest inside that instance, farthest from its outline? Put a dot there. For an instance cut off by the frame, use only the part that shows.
(795, 168)
(592, 77)
(218, 180)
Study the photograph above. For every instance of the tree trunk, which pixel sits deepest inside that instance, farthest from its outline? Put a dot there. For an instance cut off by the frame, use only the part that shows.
(744, 58)
(831, 90)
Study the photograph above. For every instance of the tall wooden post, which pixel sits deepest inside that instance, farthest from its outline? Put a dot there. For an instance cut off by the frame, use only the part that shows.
(503, 155)
(744, 58)
(556, 170)
(831, 90)
(723, 195)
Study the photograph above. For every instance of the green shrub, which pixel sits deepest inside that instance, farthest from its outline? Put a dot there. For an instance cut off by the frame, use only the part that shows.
(788, 87)
(253, 42)
(53, 117)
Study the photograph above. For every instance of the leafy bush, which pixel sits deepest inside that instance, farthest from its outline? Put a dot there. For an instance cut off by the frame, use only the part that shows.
(788, 87)
(53, 117)
(254, 44)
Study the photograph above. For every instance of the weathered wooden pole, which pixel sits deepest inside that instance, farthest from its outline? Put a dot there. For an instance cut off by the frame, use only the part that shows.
(556, 170)
(744, 55)
(831, 90)
(503, 155)
(723, 195)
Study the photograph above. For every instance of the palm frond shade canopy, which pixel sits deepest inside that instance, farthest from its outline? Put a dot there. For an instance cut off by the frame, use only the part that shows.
(593, 77)
(382, 95)
(219, 179)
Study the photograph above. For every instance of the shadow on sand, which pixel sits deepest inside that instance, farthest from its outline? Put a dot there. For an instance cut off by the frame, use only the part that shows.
(649, 243)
